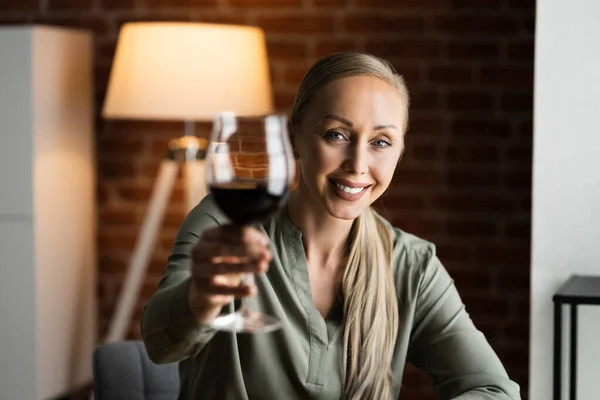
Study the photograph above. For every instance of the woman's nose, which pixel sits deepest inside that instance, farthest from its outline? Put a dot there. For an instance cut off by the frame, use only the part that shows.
(356, 161)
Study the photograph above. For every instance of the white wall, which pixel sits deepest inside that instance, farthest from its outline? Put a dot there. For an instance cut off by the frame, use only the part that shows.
(47, 212)
(64, 208)
(566, 184)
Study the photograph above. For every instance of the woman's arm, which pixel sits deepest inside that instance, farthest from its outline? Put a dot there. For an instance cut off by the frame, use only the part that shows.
(446, 344)
(169, 329)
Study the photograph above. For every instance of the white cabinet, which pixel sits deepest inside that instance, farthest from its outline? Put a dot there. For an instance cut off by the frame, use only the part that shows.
(47, 212)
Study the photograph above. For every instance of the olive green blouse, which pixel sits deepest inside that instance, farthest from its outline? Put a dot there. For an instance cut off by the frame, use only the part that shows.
(303, 360)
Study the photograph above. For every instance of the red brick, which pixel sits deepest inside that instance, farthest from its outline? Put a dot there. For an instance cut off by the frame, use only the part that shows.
(101, 76)
(116, 169)
(458, 4)
(14, 20)
(473, 178)
(377, 23)
(508, 76)
(294, 73)
(521, 4)
(416, 176)
(481, 128)
(521, 51)
(447, 74)
(143, 127)
(466, 228)
(424, 99)
(251, 160)
(97, 25)
(102, 193)
(470, 100)
(515, 279)
(472, 154)
(416, 226)
(243, 173)
(518, 102)
(453, 253)
(517, 330)
(520, 154)
(110, 263)
(528, 24)
(525, 131)
(407, 4)
(296, 23)
(489, 203)
(518, 180)
(476, 25)
(401, 201)
(429, 126)
(424, 152)
(334, 45)
(179, 3)
(262, 3)
(121, 146)
(117, 239)
(518, 230)
(404, 48)
(286, 49)
(486, 305)
(464, 280)
(329, 2)
(472, 50)
(117, 4)
(69, 4)
(252, 146)
(118, 216)
(283, 100)
(122, 19)
(19, 5)
(173, 218)
(231, 19)
(135, 192)
(513, 256)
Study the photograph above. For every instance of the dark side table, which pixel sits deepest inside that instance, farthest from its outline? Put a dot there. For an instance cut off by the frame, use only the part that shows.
(575, 291)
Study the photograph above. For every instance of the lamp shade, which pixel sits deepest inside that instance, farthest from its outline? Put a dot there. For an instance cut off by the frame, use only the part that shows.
(188, 71)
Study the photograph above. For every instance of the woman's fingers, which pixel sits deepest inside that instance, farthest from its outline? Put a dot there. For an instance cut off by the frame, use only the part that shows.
(220, 285)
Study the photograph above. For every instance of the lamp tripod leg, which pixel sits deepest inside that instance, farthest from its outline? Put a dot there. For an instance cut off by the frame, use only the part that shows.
(144, 246)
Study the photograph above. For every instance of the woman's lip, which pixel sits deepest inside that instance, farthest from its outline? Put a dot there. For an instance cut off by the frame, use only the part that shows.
(345, 195)
(349, 184)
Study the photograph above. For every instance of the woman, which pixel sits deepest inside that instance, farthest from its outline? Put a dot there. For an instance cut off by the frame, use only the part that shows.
(359, 298)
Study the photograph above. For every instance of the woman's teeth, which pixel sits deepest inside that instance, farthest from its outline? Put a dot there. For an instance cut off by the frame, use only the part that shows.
(350, 190)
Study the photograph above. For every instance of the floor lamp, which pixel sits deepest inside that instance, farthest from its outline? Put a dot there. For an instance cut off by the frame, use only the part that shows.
(180, 72)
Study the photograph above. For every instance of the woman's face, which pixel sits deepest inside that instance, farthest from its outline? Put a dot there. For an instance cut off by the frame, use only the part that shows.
(349, 142)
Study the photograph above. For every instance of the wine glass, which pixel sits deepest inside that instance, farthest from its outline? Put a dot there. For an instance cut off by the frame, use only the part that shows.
(250, 169)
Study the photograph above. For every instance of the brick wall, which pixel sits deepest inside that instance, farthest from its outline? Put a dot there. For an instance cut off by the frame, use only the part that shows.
(464, 182)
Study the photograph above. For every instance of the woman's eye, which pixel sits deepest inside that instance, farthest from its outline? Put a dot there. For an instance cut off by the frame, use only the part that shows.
(381, 143)
(333, 135)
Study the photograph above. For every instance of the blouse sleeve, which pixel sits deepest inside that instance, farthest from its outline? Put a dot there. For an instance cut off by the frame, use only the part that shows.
(169, 329)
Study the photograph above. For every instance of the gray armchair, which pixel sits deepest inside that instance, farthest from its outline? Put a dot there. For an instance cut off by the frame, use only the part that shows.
(123, 371)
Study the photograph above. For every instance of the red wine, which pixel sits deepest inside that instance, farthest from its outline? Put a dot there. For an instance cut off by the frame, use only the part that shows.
(246, 204)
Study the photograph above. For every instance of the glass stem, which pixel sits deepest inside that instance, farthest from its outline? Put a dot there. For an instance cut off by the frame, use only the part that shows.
(245, 308)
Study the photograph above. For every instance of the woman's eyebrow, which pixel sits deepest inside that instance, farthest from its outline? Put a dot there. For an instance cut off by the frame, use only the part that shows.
(382, 127)
(340, 119)
(350, 124)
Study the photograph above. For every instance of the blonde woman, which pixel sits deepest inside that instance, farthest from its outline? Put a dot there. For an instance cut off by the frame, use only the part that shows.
(360, 298)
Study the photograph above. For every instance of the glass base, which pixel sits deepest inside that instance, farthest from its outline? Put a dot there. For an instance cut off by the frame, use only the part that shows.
(246, 321)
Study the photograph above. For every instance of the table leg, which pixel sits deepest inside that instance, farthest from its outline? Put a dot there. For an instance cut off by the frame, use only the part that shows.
(573, 354)
(557, 350)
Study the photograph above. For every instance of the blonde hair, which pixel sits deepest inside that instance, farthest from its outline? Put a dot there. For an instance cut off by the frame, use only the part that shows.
(368, 289)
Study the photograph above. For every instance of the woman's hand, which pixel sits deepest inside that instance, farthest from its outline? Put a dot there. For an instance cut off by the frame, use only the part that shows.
(219, 260)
